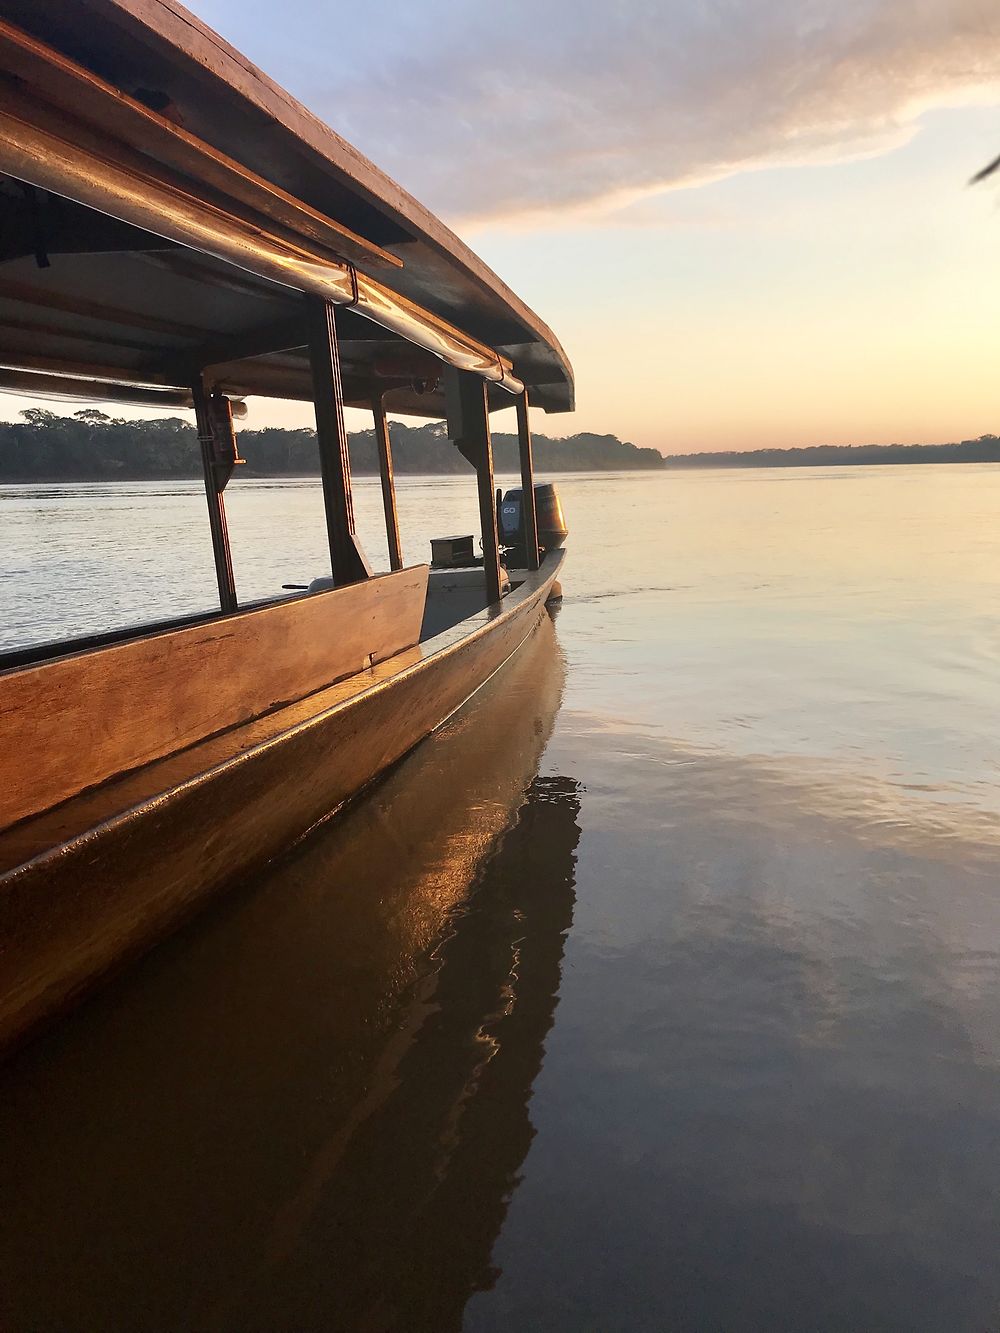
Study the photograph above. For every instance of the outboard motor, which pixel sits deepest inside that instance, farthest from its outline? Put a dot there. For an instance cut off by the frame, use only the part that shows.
(552, 529)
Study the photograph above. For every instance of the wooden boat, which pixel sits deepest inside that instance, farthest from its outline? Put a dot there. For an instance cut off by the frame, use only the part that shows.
(178, 231)
(312, 1113)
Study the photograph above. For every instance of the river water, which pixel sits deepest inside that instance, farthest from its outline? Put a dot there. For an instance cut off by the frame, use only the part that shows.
(659, 990)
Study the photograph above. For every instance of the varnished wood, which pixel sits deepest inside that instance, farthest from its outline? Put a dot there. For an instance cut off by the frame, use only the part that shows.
(388, 482)
(62, 386)
(290, 989)
(46, 298)
(200, 820)
(529, 511)
(460, 277)
(68, 158)
(85, 718)
(274, 146)
(33, 334)
(269, 339)
(218, 527)
(77, 90)
(469, 429)
(90, 370)
(346, 556)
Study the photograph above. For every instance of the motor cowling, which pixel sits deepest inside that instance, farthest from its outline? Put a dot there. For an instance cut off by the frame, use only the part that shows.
(552, 529)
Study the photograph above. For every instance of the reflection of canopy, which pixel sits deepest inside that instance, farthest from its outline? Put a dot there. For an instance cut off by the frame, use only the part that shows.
(315, 1101)
(165, 204)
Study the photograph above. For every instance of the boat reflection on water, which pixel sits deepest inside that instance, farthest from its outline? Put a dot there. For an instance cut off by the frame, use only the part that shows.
(308, 1109)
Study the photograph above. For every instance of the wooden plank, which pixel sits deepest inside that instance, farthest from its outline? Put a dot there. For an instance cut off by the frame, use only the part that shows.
(55, 299)
(388, 482)
(469, 427)
(85, 370)
(61, 386)
(82, 93)
(346, 556)
(41, 333)
(213, 494)
(77, 721)
(528, 509)
(273, 338)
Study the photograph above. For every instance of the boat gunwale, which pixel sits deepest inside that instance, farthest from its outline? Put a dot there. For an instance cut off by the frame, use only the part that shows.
(129, 634)
(352, 690)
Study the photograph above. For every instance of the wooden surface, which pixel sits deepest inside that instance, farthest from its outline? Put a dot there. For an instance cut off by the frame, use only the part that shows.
(289, 987)
(83, 93)
(347, 559)
(177, 831)
(529, 513)
(469, 430)
(388, 481)
(223, 100)
(76, 721)
(218, 526)
(173, 23)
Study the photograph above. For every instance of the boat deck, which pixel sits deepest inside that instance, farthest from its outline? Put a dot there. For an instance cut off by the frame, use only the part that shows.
(453, 596)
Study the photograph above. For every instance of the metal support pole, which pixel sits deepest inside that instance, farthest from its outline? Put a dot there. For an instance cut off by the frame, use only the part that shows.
(388, 482)
(528, 511)
(215, 481)
(347, 560)
(469, 427)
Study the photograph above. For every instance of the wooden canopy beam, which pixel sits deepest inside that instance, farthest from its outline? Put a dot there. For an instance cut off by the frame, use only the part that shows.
(79, 92)
(87, 370)
(63, 160)
(46, 298)
(47, 226)
(265, 340)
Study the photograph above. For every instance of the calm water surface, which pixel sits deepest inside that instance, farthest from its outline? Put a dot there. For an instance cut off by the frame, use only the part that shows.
(660, 990)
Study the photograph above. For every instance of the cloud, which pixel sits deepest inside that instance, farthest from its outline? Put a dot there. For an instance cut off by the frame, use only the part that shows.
(532, 106)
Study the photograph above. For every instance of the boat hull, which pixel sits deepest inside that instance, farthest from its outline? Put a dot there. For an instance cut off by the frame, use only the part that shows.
(80, 909)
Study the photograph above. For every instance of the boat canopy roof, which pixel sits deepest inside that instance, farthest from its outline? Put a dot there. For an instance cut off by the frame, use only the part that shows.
(165, 206)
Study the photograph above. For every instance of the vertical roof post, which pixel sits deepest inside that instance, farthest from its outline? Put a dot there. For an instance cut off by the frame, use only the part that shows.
(388, 481)
(529, 514)
(215, 481)
(347, 559)
(469, 427)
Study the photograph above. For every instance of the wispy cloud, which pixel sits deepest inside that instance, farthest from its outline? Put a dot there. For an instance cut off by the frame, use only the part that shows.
(535, 106)
(554, 104)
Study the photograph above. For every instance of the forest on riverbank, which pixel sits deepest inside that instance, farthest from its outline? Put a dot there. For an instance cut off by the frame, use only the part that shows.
(985, 449)
(91, 446)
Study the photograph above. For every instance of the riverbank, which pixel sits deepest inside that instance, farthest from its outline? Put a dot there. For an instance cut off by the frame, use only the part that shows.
(986, 449)
(90, 446)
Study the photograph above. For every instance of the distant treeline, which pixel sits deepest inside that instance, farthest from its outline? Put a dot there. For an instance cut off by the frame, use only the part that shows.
(984, 450)
(89, 445)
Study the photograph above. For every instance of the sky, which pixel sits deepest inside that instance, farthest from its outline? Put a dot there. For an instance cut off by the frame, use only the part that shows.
(748, 221)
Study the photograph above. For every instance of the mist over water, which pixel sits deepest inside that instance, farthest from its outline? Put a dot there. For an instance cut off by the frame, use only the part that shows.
(659, 990)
